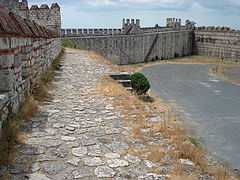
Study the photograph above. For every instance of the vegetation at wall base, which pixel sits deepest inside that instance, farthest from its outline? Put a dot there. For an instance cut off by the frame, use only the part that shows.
(68, 43)
(28, 108)
(140, 83)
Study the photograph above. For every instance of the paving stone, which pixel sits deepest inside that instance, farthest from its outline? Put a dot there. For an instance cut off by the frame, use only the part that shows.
(58, 125)
(118, 146)
(138, 170)
(93, 161)
(74, 124)
(68, 138)
(149, 164)
(50, 143)
(114, 163)
(50, 131)
(80, 173)
(132, 159)
(104, 172)
(153, 176)
(186, 162)
(44, 157)
(19, 169)
(60, 152)
(53, 168)
(81, 151)
(113, 131)
(74, 161)
(70, 128)
(81, 131)
(35, 167)
(37, 176)
(87, 141)
(22, 159)
(72, 144)
(112, 156)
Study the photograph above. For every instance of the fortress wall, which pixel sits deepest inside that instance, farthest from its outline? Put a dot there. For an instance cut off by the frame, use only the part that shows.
(128, 49)
(26, 50)
(43, 15)
(89, 32)
(223, 44)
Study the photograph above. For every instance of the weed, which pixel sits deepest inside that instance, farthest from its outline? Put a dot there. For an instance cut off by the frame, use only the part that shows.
(194, 141)
(10, 126)
(68, 43)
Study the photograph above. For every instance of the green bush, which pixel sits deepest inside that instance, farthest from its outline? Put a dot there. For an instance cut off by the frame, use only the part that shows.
(68, 43)
(140, 83)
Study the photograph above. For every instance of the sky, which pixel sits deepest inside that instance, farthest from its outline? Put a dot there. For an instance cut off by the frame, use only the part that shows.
(109, 13)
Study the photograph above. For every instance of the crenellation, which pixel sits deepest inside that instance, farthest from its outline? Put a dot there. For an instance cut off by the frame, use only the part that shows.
(43, 15)
(132, 26)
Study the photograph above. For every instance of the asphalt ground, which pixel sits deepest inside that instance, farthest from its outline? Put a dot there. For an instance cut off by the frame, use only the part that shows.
(209, 106)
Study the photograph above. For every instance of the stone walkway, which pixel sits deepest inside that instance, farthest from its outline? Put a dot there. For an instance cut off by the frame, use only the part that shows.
(75, 135)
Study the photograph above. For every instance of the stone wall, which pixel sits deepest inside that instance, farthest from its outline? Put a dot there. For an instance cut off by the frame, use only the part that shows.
(218, 43)
(43, 15)
(89, 32)
(26, 50)
(127, 49)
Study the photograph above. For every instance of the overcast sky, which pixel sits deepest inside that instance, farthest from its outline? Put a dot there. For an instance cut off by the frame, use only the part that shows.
(109, 13)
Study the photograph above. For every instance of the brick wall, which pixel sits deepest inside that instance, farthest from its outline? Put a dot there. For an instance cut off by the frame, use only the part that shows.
(26, 50)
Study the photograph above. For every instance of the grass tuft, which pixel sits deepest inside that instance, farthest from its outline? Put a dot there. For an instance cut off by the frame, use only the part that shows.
(10, 127)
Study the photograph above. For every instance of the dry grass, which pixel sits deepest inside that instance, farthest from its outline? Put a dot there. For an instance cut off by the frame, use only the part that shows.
(173, 134)
(11, 128)
(29, 107)
(228, 73)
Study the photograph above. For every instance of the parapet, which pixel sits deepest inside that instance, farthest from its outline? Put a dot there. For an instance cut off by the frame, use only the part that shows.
(13, 24)
(44, 6)
(55, 5)
(132, 22)
(174, 23)
(34, 7)
(131, 26)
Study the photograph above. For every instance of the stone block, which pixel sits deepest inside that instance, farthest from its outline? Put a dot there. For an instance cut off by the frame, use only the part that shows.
(4, 43)
(18, 60)
(3, 100)
(6, 61)
(15, 42)
(6, 81)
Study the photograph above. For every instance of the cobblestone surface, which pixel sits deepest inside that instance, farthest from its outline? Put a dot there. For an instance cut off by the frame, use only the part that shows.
(76, 135)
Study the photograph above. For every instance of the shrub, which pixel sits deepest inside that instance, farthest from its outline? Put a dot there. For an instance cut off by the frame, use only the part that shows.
(140, 83)
(68, 43)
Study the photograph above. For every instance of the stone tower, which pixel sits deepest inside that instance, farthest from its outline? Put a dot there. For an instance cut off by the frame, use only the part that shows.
(131, 27)
(43, 15)
(10, 5)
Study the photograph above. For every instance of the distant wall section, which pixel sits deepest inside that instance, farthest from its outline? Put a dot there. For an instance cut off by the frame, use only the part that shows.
(218, 43)
(128, 49)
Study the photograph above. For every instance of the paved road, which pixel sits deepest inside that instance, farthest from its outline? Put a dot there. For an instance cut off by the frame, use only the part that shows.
(210, 106)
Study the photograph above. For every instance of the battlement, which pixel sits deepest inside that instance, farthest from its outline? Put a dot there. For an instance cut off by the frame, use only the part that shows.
(173, 23)
(43, 15)
(90, 32)
(131, 26)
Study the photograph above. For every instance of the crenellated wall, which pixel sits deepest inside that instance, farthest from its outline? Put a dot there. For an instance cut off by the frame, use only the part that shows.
(218, 42)
(90, 32)
(43, 15)
(128, 49)
(26, 50)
